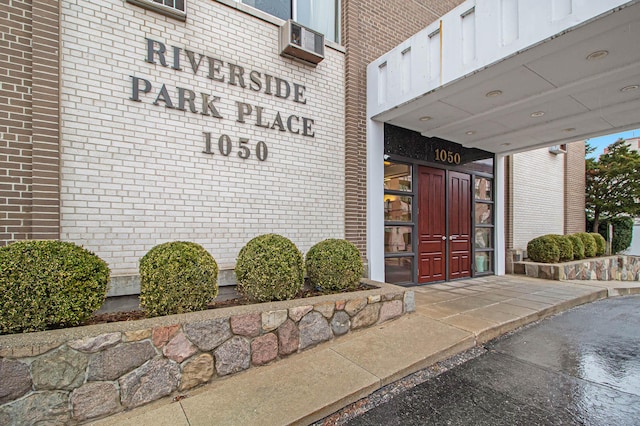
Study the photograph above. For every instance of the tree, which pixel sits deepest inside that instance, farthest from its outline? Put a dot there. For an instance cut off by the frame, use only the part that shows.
(613, 183)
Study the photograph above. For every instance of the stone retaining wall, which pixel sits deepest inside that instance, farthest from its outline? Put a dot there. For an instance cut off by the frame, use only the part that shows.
(618, 268)
(85, 373)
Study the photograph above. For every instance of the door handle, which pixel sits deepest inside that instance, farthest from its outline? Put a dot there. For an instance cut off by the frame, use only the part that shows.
(444, 238)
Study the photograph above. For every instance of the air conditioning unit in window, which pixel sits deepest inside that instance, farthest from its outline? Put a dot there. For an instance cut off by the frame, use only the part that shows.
(558, 149)
(301, 43)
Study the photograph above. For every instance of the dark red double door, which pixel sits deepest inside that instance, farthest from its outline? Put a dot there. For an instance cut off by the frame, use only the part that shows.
(444, 225)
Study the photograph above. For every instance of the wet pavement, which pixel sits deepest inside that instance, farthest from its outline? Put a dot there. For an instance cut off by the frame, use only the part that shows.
(579, 367)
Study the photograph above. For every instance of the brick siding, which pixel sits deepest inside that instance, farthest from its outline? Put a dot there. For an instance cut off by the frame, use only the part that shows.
(370, 29)
(574, 188)
(134, 174)
(45, 201)
(534, 206)
(508, 204)
(15, 121)
(537, 195)
(29, 110)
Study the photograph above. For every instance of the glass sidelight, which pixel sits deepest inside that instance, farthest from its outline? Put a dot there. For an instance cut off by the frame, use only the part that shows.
(398, 239)
(399, 223)
(397, 208)
(484, 225)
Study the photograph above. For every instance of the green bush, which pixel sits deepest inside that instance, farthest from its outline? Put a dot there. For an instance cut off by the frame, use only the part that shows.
(601, 244)
(589, 243)
(578, 247)
(334, 265)
(622, 232)
(269, 267)
(177, 277)
(565, 246)
(543, 249)
(49, 284)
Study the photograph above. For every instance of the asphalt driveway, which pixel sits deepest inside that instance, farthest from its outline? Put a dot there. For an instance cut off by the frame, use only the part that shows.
(578, 367)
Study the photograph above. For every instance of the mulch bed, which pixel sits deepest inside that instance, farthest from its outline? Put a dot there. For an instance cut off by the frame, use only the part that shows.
(238, 301)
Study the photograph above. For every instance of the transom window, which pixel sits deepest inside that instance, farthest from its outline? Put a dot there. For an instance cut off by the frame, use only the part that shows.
(319, 15)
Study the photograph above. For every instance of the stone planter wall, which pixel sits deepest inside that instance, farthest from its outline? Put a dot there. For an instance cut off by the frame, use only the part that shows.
(74, 375)
(619, 268)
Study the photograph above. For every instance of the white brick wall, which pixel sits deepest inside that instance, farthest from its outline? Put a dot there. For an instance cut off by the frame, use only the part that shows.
(134, 174)
(538, 195)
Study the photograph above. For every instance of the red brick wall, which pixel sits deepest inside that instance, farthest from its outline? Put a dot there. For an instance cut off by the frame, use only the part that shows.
(29, 120)
(371, 28)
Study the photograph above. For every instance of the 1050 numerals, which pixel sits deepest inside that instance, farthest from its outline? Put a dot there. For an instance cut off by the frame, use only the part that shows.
(446, 156)
(242, 147)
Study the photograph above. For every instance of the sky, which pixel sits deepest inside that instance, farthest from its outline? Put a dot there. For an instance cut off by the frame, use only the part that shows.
(601, 142)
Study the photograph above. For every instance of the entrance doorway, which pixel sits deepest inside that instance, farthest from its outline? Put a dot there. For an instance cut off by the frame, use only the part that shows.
(444, 225)
(438, 209)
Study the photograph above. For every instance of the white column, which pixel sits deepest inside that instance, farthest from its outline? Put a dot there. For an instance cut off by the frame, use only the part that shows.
(375, 199)
(500, 244)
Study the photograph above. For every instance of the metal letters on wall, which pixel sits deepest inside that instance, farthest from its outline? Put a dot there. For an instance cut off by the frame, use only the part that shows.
(206, 104)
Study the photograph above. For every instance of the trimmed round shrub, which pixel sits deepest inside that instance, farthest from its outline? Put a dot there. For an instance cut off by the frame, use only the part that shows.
(601, 243)
(578, 247)
(177, 277)
(269, 267)
(334, 265)
(565, 246)
(49, 284)
(589, 243)
(543, 249)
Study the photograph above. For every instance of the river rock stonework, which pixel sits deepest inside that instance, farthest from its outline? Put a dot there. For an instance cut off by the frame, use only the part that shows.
(207, 335)
(313, 329)
(179, 348)
(196, 371)
(288, 338)
(97, 374)
(246, 325)
(264, 349)
(95, 399)
(46, 408)
(610, 268)
(16, 380)
(62, 369)
(366, 317)
(155, 379)
(341, 323)
(390, 310)
(114, 362)
(233, 356)
(95, 344)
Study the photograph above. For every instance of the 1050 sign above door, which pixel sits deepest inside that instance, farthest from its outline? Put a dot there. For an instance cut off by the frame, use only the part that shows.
(445, 156)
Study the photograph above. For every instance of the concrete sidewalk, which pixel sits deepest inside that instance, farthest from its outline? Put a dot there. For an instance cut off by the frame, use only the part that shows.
(449, 318)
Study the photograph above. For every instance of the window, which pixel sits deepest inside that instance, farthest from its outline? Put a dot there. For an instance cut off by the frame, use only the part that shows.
(483, 224)
(319, 15)
(176, 4)
(397, 209)
(280, 8)
(399, 223)
(172, 8)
